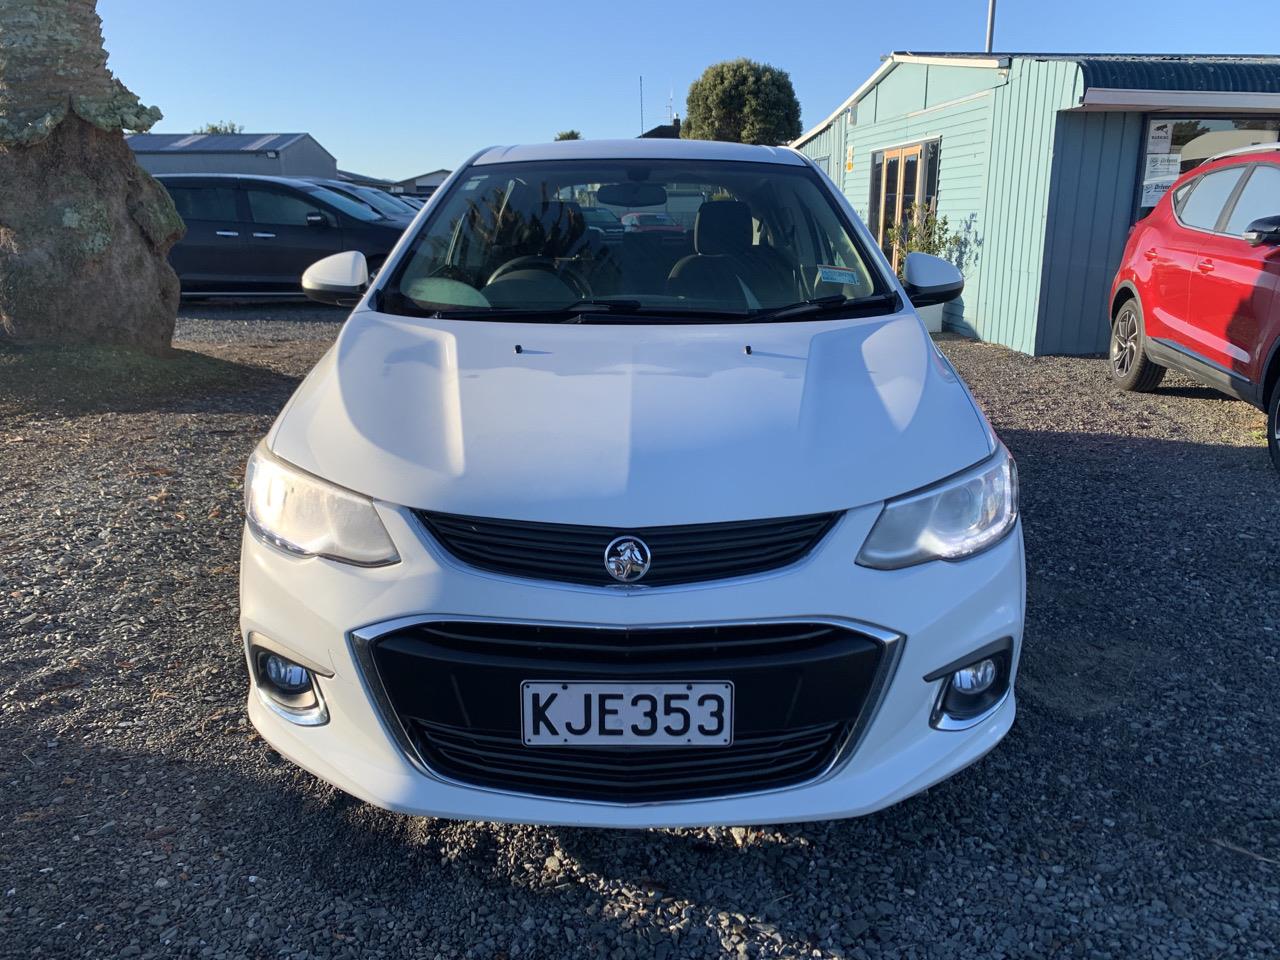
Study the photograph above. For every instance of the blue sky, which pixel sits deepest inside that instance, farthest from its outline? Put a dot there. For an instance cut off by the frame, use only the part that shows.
(395, 88)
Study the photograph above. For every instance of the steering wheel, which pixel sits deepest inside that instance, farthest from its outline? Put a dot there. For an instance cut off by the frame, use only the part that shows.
(566, 275)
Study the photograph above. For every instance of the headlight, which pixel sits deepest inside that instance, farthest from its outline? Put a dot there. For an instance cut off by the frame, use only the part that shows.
(956, 518)
(304, 515)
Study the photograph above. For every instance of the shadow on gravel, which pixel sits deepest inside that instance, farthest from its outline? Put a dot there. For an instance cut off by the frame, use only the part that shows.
(74, 380)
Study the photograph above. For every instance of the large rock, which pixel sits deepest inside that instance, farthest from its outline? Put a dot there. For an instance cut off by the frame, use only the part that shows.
(84, 235)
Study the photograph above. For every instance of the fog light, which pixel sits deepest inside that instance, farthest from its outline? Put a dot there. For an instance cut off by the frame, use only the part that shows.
(975, 678)
(287, 677)
(288, 689)
(973, 687)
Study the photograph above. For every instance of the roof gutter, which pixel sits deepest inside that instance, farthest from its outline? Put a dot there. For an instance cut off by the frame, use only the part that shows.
(881, 72)
(1176, 101)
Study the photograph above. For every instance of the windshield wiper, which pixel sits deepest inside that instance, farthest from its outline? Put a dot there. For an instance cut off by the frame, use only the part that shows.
(855, 306)
(580, 307)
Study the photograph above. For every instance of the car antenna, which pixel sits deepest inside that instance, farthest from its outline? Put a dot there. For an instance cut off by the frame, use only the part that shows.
(747, 349)
(519, 349)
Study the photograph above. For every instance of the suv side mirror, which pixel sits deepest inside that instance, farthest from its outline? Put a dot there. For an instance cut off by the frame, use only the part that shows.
(930, 280)
(317, 220)
(340, 279)
(1263, 230)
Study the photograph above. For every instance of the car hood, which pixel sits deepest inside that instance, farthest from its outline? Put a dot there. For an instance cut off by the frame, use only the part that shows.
(620, 424)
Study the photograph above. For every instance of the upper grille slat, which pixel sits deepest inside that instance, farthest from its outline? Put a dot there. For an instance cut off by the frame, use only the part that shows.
(568, 553)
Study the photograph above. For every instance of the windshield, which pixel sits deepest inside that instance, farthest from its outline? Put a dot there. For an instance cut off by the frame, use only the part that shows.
(352, 208)
(384, 203)
(736, 239)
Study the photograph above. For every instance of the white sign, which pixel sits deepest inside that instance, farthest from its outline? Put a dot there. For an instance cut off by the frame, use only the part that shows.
(1153, 190)
(1163, 166)
(1159, 136)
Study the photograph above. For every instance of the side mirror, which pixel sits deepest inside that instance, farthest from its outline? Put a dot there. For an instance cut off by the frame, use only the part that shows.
(317, 220)
(1263, 230)
(340, 279)
(930, 280)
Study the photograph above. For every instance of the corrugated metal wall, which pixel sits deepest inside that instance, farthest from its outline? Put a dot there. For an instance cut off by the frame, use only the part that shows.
(1024, 122)
(1091, 206)
(1043, 196)
(914, 103)
(232, 162)
(827, 148)
(306, 158)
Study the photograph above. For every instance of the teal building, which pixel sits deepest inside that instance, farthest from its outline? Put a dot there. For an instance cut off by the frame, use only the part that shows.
(1040, 163)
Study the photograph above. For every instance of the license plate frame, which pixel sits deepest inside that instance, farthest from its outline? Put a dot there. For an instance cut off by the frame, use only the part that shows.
(623, 713)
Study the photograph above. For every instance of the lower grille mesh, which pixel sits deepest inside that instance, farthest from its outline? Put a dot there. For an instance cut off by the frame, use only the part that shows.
(756, 762)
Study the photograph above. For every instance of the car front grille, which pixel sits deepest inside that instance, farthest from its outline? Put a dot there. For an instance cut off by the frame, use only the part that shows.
(800, 692)
(687, 553)
(755, 762)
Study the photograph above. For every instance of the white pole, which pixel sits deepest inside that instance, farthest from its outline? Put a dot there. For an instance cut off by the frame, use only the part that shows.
(991, 23)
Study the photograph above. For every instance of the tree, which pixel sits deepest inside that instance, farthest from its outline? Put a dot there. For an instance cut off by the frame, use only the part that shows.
(222, 126)
(569, 135)
(84, 231)
(744, 102)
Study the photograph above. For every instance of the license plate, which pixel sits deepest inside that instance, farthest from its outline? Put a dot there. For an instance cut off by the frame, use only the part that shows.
(674, 714)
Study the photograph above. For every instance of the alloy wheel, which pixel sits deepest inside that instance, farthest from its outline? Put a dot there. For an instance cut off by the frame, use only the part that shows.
(1124, 342)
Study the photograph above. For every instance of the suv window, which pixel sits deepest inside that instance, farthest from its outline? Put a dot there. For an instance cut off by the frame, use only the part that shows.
(280, 209)
(205, 203)
(1209, 195)
(1259, 198)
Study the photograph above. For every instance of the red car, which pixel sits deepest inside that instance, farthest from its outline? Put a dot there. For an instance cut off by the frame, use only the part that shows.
(1199, 286)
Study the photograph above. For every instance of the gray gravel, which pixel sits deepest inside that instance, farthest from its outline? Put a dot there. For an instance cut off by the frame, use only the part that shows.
(231, 321)
(1132, 812)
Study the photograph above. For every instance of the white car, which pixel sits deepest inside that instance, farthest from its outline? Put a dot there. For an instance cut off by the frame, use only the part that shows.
(633, 534)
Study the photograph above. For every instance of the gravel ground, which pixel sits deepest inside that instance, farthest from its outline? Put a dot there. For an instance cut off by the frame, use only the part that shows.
(1132, 812)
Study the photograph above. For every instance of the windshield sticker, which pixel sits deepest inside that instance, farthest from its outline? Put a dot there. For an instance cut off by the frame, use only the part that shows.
(836, 274)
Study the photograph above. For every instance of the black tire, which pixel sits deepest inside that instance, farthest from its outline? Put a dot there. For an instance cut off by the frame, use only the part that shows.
(1273, 426)
(1129, 365)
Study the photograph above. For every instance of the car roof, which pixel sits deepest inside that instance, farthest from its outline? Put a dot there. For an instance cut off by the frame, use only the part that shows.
(639, 150)
(254, 177)
(1254, 151)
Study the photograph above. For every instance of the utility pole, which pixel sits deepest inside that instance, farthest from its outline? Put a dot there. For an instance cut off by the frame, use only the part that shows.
(991, 23)
(642, 102)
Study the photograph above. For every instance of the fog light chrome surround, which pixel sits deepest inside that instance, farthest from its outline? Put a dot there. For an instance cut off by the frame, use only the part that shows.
(288, 689)
(973, 688)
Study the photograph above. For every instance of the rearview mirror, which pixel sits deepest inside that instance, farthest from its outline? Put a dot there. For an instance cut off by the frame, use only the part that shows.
(1263, 230)
(339, 279)
(929, 280)
(632, 194)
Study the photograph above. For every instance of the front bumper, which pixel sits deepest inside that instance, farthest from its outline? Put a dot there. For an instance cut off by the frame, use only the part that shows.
(930, 615)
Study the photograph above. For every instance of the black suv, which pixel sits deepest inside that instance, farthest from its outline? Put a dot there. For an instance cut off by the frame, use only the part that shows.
(255, 235)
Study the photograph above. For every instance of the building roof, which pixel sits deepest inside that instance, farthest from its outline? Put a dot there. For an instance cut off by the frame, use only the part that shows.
(639, 149)
(362, 178)
(1154, 81)
(429, 173)
(669, 131)
(212, 142)
(1233, 73)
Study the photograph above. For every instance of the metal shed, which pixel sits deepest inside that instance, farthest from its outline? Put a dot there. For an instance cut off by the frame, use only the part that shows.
(1041, 162)
(273, 154)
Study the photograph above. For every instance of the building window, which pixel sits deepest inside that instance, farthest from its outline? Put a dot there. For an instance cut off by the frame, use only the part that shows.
(1175, 145)
(901, 178)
